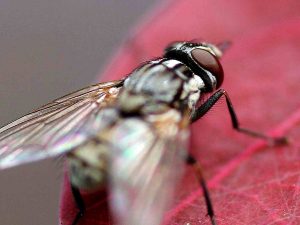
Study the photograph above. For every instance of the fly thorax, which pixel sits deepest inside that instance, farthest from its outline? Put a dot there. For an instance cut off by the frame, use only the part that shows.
(132, 102)
(167, 81)
(155, 80)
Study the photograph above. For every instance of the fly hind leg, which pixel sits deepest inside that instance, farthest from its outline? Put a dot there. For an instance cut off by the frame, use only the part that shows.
(190, 160)
(206, 106)
(79, 203)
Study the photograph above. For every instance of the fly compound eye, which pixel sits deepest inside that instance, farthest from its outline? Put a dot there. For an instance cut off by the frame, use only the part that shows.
(209, 62)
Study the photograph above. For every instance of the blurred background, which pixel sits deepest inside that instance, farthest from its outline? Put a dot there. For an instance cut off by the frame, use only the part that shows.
(47, 49)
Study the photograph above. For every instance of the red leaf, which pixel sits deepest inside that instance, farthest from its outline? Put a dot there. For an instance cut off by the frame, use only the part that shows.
(250, 182)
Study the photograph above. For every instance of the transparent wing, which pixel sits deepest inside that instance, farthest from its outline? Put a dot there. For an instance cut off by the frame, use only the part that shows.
(57, 127)
(145, 170)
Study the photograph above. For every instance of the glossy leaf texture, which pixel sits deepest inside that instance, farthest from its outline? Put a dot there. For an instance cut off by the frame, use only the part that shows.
(250, 182)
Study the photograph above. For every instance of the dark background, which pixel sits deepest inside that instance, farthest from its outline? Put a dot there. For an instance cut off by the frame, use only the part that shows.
(47, 49)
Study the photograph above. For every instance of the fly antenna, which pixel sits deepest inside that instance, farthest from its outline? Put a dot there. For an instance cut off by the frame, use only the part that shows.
(224, 45)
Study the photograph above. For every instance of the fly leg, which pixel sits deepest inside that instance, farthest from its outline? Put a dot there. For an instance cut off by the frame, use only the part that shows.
(204, 108)
(79, 203)
(198, 171)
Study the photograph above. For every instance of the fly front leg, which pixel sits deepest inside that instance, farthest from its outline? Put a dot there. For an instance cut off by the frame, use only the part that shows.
(190, 160)
(209, 103)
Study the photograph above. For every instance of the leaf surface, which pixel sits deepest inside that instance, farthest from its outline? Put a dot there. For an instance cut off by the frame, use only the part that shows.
(250, 182)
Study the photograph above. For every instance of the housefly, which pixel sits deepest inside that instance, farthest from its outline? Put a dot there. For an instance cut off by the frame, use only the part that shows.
(130, 134)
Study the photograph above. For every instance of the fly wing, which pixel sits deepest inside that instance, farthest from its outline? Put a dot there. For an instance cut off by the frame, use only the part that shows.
(57, 127)
(145, 169)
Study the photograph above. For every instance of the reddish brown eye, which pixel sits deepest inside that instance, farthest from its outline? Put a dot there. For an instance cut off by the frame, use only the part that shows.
(209, 62)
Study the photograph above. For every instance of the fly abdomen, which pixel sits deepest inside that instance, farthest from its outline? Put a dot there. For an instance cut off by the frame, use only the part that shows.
(88, 165)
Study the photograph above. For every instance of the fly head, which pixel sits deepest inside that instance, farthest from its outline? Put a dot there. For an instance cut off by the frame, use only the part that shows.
(202, 58)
